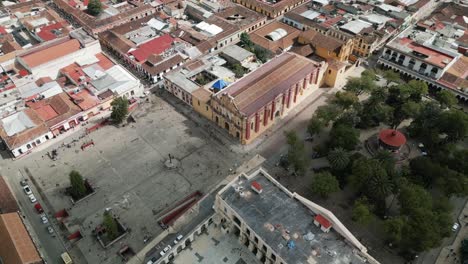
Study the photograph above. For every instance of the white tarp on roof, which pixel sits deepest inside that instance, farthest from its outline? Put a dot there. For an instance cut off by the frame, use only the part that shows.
(323, 2)
(156, 24)
(376, 19)
(39, 22)
(356, 26)
(46, 90)
(277, 34)
(390, 8)
(86, 60)
(94, 71)
(310, 14)
(16, 123)
(210, 29)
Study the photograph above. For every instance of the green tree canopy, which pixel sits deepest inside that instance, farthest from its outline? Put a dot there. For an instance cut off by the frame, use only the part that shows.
(328, 113)
(324, 184)
(338, 158)
(361, 212)
(391, 76)
(359, 85)
(94, 7)
(345, 99)
(454, 123)
(296, 152)
(393, 228)
(343, 136)
(110, 225)
(315, 126)
(119, 110)
(78, 188)
(446, 99)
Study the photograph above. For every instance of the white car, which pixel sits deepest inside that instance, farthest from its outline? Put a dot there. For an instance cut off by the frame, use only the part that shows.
(455, 227)
(32, 198)
(178, 238)
(27, 190)
(162, 253)
(166, 249)
(50, 230)
(44, 220)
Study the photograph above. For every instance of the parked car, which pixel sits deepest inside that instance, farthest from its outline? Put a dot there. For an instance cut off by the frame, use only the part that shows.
(455, 227)
(162, 253)
(50, 230)
(166, 249)
(423, 149)
(44, 219)
(178, 238)
(27, 190)
(23, 183)
(32, 198)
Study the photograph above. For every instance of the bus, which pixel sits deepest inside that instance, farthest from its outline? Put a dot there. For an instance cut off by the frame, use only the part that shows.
(66, 258)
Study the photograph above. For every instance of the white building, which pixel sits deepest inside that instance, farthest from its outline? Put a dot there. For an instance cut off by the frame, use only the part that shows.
(23, 131)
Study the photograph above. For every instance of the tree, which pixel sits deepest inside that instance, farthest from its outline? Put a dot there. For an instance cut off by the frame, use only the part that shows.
(296, 152)
(345, 99)
(343, 136)
(119, 110)
(328, 113)
(394, 230)
(338, 158)
(324, 184)
(315, 126)
(391, 76)
(412, 197)
(359, 85)
(238, 70)
(369, 73)
(418, 89)
(94, 7)
(446, 99)
(454, 123)
(78, 187)
(246, 42)
(261, 54)
(110, 225)
(362, 212)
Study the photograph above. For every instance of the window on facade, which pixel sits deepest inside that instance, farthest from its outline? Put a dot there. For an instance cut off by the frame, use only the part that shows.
(47, 137)
(251, 125)
(28, 146)
(38, 141)
(198, 101)
(329, 71)
(206, 108)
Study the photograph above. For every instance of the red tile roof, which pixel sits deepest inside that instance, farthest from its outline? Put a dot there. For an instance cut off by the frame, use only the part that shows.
(104, 61)
(46, 31)
(85, 100)
(155, 46)
(323, 221)
(55, 109)
(2, 30)
(433, 56)
(41, 56)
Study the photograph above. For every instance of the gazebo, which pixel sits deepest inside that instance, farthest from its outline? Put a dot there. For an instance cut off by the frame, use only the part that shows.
(391, 139)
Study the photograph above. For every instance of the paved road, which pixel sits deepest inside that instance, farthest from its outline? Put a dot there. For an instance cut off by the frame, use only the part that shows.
(50, 247)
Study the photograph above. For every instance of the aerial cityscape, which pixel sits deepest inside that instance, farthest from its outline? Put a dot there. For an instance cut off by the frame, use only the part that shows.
(233, 131)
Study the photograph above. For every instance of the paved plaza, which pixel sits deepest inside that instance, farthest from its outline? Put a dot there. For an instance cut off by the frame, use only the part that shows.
(126, 166)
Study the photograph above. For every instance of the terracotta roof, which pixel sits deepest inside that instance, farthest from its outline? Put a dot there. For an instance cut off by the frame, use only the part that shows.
(258, 36)
(55, 109)
(392, 137)
(19, 238)
(256, 185)
(104, 61)
(85, 100)
(164, 65)
(202, 94)
(51, 53)
(322, 221)
(303, 50)
(10, 46)
(155, 46)
(317, 39)
(261, 86)
(47, 32)
(27, 135)
(7, 200)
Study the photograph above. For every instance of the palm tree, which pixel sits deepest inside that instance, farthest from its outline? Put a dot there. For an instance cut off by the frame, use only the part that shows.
(338, 158)
(379, 186)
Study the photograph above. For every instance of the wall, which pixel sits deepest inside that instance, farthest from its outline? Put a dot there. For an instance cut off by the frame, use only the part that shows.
(202, 108)
(25, 149)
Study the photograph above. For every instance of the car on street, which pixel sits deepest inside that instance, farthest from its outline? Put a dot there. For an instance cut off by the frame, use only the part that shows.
(32, 198)
(44, 219)
(162, 253)
(178, 238)
(166, 249)
(27, 190)
(455, 227)
(23, 183)
(50, 230)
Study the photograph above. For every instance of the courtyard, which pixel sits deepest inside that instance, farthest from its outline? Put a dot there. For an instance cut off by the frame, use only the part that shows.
(126, 168)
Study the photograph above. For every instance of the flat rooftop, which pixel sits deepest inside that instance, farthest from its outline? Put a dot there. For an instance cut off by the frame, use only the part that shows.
(274, 213)
(420, 45)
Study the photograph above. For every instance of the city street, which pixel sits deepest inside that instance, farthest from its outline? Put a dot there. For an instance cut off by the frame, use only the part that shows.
(50, 245)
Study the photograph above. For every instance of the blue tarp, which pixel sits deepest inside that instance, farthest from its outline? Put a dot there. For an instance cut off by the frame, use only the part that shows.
(219, 84)
(291, 244)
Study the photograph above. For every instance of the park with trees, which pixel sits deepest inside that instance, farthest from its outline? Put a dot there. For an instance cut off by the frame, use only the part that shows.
(407, 199)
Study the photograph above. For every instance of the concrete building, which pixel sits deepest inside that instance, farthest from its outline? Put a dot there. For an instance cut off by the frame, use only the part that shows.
(275, 37)
(423, 55)
(126, 11)
(263, 221)
(17, 246)
(237, 55)
(251, 105)
(271, 8)
(23, 131)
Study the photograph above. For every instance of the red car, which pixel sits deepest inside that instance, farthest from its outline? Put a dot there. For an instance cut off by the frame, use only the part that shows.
(38, 208)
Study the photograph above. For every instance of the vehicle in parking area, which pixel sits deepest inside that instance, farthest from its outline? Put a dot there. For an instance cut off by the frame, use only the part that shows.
(66, 258)
(178, 238)
(162, 253)
(38, 208)
(27, 190)
(166, 249)
(50, 230)
(44, 219)
(32, 198)
(23, 183)
(455, 227)
(152, 260)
